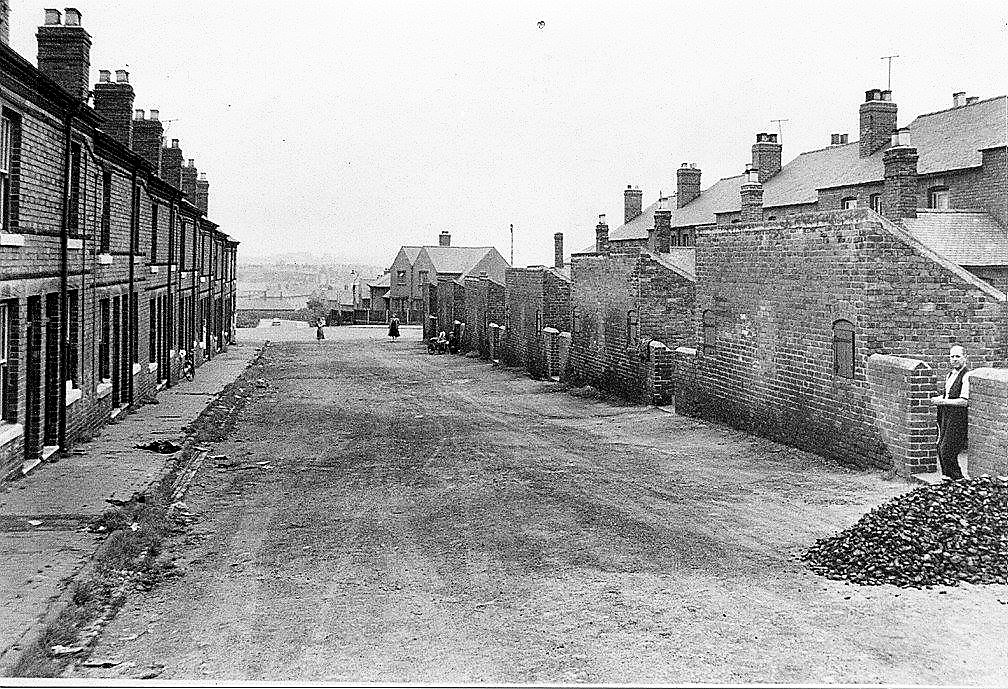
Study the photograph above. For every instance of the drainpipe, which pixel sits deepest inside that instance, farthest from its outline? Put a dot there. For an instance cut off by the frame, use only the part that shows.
(64, 277)
(134, 247)
(194, 279)
(170, 307)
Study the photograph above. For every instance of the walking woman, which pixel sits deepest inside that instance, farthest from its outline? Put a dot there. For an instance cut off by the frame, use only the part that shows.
(393, 328)
(319, 332)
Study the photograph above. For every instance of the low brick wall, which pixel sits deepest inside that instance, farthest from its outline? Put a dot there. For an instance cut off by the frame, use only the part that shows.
(659, 374)
(988, 422)
(689, 394)
(899, 394)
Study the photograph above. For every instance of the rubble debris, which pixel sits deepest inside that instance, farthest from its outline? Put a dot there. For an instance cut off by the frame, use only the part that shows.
(101, 662)
(165, 447)
(945, 534)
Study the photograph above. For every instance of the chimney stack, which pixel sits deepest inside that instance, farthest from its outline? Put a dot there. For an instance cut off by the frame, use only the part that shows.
(444, 239)
(970, 100)
(687, 184)
(188, 183)
(147, 136)
(958, 99)
(171, 164)
(899, 197)
(632, 203)
(202, 193)
(752, 196)
(5, 22)
(602, 235)
(663, 227)
(64, 52)
(114, 102)
(878, 120)
(558, 253)
(766, 156)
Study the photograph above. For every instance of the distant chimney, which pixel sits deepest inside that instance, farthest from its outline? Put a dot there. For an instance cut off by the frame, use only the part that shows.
(632, 203)
(662, 227)
(444, 239)
(601, 235)
(766, 156)
(202, 193)
(752, 196)
(687, 184)
(171, 164)
(878, 120)
(147, 135)
(188, 183)
(114, 102)
(900, 185)
(970, 100)
(958, 99)
(558, 254)
(64, 52)
(838, 139)
(5, 22)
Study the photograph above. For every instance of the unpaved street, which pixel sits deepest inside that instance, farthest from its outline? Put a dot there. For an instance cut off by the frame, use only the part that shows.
(389, 516)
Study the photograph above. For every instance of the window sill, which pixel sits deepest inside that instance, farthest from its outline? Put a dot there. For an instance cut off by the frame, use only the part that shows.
(75, 244)
(105, 259)
(9, 239)
(137, 368)
(72, 394)
(10, 432)
(153, 270)
(138, 259)
(152, 366)
(202, 278)
(103, 389)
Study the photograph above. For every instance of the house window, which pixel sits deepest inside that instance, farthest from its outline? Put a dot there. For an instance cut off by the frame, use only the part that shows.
(182, 244)
(8, 382)
(153, 232)
(104, 350)
(106, 219)
(6, 158)
(423, 276)
(849, 203)
(876, 203)
(632, 328)
(401, 276)
(843, 349)
(73, 211)
(938, 198)
(709, 332)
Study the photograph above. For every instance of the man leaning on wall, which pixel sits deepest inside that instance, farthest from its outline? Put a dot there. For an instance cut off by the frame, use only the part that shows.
(952, 419)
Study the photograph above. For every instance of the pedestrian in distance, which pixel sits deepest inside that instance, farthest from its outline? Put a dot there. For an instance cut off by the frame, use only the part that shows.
(319, 332)
(952, 415)
(393, 328)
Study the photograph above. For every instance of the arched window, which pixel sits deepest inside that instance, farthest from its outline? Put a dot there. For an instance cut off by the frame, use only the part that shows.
(843, 349)
(709, 332)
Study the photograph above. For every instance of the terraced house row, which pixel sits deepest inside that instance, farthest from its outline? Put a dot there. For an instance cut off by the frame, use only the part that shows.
(813, 302)
(112, 276)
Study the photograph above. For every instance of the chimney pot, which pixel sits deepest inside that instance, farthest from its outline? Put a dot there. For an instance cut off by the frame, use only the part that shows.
(601, 218)
(104, 76)
(174, 143)
(191, 162)
(202, 177)
(52, 18)
(958, 99)
(73, 17)
(843, 138)
(155, 114)
(122, 76)
(970, 100)
(138, 114)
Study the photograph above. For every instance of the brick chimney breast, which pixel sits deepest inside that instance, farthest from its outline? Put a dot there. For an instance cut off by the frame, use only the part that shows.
(5, 22)
(752, 196)
(203, 193)
(558, 251)
(171, 164)
(878, 120)
(444, 239)
(188, 183)
(687, 184)
(114, 102)
(602, 235)
(632, 203)
(64, 52)
(147, 136)
(899, 189)
(663, 227)
(766, 156)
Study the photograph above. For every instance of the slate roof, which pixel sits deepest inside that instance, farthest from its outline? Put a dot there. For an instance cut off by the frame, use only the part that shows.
(945, 140)
(457, 260)
(682, 259)
(967, 238)
(412, 252)
(383, 281)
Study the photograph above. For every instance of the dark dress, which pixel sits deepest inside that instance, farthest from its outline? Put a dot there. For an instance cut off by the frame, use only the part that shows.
(393, 328)
(952, 430)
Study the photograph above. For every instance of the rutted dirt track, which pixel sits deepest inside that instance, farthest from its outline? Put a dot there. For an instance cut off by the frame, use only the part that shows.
(389, 516)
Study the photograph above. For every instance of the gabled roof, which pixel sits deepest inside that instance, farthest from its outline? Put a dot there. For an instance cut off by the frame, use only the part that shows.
(384, 281)
(945, 140)
(967, 238)
(457, 260)
(411, 252)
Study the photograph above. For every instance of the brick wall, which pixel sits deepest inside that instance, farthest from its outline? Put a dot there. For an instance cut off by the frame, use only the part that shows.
(771, 295)
(988, 422)
(524, 319)
(609, 350)
(900, 409)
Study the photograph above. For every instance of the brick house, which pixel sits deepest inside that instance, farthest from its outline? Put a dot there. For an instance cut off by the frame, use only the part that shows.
(99, 299)
(851, 280)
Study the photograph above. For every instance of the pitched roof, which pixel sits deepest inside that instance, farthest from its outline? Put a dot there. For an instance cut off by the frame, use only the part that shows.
(967, 238)
(412, 252)
(384, 280)
(945, 140)
(682, 259)
(456, 259)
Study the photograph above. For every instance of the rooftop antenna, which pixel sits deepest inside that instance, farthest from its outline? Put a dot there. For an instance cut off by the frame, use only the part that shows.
(512, 245)
(780, 131)
(889, 75)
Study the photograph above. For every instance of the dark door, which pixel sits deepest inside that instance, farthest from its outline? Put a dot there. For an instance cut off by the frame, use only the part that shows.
(116, 353)
(50, 391)
(33, 380)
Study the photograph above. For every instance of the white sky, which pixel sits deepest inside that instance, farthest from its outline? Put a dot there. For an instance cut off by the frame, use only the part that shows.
(352, 129)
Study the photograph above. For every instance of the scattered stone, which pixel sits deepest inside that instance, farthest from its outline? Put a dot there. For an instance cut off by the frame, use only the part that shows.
(165, 447)
(944, 534)
(101, 662)
(59, 650)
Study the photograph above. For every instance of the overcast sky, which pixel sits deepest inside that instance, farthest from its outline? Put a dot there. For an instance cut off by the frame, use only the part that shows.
(354, 128)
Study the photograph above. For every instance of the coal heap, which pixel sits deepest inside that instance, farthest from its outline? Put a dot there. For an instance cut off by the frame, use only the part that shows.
(933, 535)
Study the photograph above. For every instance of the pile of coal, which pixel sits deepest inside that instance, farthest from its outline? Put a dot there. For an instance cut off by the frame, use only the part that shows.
(934, 535)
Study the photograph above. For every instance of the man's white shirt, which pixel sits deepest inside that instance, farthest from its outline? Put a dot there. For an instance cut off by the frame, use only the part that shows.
(964, 393)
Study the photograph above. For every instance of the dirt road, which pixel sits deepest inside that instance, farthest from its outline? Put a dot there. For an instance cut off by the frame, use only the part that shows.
(390, 516)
